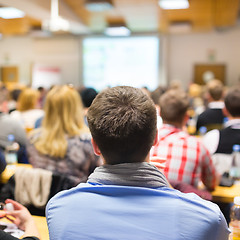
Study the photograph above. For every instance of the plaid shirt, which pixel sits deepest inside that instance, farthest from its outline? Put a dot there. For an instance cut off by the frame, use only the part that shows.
(187, 160)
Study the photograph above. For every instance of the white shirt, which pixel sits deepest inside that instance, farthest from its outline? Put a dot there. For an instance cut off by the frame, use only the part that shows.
(27, 118)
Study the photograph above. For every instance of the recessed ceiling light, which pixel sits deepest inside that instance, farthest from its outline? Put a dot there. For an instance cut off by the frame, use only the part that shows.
(10, 13)
(98, 5)
(117, 31)
(174, 4)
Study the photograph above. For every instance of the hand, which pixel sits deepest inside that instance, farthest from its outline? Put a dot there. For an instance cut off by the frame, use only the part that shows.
(21, 215)
(22, 218)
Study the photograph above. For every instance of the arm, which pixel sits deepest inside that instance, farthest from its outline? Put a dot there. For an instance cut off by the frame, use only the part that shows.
(22, 218)
(209, 176)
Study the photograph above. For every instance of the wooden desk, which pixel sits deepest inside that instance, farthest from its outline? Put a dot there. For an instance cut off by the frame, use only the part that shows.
(10, 170)
(226, 194)
(41, 223)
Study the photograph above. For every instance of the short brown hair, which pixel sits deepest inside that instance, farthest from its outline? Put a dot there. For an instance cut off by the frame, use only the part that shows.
(215, 89)
(232, 101)
(173, 105)
(122, 121)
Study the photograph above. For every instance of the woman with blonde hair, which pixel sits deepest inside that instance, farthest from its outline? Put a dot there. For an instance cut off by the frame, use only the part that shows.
(63, 143)
(27, 112)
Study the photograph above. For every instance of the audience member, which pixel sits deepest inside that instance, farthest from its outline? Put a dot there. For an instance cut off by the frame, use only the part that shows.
(128, 198)
(63, 143)
(10, 126)
(188, 160)
(12, 103)
(222, 141)
(26, 112)
(87, 96)
(155, 95)
(3, 98)
(24, 221)
(42, 95)
(213, 116)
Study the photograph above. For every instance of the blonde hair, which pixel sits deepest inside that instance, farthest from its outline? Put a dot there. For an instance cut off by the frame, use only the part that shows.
(63, 117)
(27, 99)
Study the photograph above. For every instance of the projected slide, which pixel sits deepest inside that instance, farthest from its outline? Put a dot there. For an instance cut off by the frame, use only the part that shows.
(109, 62)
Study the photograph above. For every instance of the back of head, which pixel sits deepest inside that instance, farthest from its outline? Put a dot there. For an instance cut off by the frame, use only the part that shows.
(27, 99)
(87, 96)
(174, 105)
(232, 101)
(215, 89)
(122, 121)
(3, 93)
(63, 117)
(15, 94)
(157, 93)
(63, 107)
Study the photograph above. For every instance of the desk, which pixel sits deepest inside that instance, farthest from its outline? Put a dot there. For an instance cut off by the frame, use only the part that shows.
(10, 170)
(41, 223)
(226, 194)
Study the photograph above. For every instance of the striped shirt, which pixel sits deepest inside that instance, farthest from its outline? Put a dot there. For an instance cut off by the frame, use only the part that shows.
(187, 160)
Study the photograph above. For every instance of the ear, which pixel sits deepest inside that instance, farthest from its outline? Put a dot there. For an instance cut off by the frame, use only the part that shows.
(95, 148)
(225, 112)
(185, 119)
(156, 139)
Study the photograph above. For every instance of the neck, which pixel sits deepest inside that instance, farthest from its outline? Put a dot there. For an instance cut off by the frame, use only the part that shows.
(175, 124)
(233, 118)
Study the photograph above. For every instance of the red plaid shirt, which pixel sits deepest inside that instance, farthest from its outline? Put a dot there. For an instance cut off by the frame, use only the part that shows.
(187, 159)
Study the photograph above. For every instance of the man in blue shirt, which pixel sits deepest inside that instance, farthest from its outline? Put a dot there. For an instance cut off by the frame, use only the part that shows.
(128, 198)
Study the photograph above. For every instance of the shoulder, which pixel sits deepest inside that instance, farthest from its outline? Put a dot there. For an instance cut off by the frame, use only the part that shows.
(79, 139)
(211, 140)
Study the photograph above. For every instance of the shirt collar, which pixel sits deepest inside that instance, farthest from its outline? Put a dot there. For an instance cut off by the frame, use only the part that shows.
(234, 123)
(218, 105)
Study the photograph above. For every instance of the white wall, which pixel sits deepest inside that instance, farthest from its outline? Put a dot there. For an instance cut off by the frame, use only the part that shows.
(17, 51)
(62, 52)
(187, 50)
(180, 53)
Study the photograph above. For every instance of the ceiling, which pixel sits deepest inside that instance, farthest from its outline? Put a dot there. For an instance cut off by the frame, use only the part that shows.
(141, 16)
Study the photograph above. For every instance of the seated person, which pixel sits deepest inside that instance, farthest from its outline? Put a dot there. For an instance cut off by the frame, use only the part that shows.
(63, 143)
(187, 160)
(87, 96)
(27, 109)
(10, 126)
(23, 220)
(127, 197)
(213, 116)
(222, 141)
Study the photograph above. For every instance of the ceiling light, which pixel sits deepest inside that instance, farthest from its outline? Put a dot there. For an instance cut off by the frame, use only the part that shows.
(55, 23)
(10, 13)
(117, 31)
(174, 4)
(98, 5)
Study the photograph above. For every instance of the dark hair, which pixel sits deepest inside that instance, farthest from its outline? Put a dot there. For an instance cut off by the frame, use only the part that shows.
(157, 93)
(15, 94)
(122, 121)
(232, 101)
(88, 95)
(173, 106)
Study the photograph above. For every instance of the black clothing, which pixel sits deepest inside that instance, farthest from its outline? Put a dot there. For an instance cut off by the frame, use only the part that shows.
(227, 138)
(212, 118)
(7, 236)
